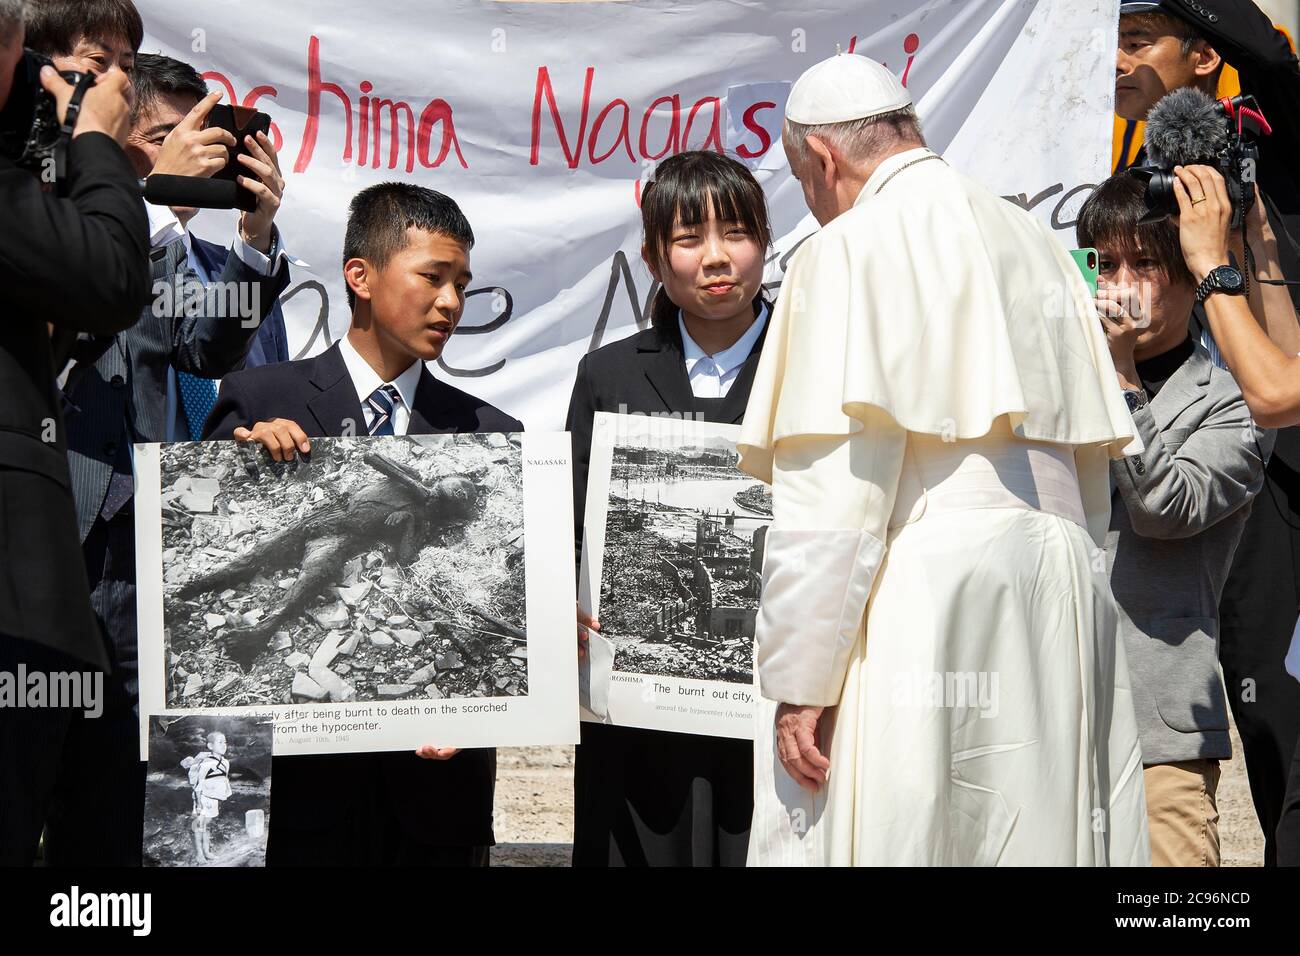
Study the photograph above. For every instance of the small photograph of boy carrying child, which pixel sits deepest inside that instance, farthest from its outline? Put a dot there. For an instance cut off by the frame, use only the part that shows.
(208, 795)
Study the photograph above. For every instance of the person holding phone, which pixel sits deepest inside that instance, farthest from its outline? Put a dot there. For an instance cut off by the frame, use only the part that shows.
(1177, 513)
(172, 133)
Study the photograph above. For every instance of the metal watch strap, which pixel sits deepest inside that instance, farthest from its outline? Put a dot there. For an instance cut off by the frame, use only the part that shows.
(1210, 284)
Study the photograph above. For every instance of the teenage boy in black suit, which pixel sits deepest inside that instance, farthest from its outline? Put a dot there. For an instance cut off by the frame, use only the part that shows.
(406, 264)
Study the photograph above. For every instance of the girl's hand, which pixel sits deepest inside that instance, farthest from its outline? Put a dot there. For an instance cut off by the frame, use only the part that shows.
(585, 623)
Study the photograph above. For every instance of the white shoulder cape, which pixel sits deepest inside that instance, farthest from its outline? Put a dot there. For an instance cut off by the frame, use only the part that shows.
(946, 307)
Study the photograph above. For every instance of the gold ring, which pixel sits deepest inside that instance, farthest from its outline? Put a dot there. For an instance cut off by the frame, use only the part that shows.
(1195, 201)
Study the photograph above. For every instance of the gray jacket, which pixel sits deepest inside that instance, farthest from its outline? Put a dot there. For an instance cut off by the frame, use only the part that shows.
(118, 392)
(1177, 512)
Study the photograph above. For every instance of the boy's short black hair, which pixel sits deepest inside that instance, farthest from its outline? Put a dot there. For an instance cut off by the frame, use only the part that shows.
(1109, 220)
(55, 26)
(156, 75)
(380, 215)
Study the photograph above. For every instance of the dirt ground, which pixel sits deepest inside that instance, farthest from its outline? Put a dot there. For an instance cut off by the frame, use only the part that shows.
(534, 809)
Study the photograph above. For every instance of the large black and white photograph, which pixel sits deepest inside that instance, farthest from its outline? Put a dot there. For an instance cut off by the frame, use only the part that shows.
(373, 571)
(383, 569)
(674, 545)
(208, 792)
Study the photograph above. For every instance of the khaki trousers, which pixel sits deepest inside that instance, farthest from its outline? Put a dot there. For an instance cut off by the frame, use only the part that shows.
(1182, 813)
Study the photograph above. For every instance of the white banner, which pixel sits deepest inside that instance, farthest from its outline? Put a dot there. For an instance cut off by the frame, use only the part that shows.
(542, 119)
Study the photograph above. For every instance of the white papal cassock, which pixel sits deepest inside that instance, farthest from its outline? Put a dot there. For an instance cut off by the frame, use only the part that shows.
(935, 409)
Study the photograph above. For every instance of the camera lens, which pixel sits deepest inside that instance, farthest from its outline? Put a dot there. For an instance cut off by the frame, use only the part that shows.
(1161, 202)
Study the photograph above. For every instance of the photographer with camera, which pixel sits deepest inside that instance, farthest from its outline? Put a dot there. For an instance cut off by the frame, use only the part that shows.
(1177, 513)
(200, 324)
(70, 264)
(1269, 376)
(1178, 44)
(1166, 50)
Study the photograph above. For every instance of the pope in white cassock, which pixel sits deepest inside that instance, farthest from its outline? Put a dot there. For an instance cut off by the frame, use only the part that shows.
(935, 409)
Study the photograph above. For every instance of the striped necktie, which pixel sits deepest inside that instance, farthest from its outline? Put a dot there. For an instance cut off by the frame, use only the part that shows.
(382, 402)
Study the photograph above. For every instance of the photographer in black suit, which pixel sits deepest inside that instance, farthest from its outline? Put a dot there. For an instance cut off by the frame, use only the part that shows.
(67, 265)
(115, 395)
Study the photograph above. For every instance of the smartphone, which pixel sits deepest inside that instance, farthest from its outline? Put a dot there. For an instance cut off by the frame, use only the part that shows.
(239, 121)
(1086, 260)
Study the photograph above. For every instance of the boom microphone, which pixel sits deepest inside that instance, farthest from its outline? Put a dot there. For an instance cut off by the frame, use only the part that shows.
(1188, 128)
(197, 192)
(1185, 128)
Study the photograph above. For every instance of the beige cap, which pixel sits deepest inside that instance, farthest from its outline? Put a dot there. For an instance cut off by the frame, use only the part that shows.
(844, 87)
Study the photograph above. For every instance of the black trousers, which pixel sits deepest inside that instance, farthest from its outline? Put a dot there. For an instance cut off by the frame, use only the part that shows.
(97, 818)
(359, 826)
(78, 778)
(649, 798)
(1257, 617)
(1288, 828)
(384, 844)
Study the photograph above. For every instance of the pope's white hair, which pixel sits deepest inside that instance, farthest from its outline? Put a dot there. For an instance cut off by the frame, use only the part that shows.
(856, 140)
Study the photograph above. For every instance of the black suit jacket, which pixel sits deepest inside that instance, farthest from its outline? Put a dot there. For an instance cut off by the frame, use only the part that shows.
(646, 374)
(81, 264)
(446, 803)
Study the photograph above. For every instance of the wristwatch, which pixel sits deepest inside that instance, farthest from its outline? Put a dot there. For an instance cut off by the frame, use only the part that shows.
(1135, 398)
(1224, 279)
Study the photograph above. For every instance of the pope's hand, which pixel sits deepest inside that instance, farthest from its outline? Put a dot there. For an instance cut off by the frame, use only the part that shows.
(796, 745)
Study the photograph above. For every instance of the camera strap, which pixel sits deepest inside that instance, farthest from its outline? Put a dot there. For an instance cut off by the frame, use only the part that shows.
(69, 123)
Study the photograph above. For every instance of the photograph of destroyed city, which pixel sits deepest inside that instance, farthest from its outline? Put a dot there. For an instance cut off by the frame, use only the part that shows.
(683, 558)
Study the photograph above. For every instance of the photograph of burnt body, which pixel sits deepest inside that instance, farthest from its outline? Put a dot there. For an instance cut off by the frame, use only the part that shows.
(378, 569)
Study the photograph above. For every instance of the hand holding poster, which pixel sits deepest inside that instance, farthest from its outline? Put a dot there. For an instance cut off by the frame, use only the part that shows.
(361, 595)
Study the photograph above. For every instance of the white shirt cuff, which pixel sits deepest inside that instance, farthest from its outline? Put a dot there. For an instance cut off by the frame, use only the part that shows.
(164, 227)
(255, 259)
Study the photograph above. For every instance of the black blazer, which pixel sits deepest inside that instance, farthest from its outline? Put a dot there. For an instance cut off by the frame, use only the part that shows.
(80, 263)
(644, 373)
(440, 802)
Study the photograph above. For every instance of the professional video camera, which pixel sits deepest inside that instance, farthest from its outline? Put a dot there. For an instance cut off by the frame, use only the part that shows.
(1188, 128)
(31, 135)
